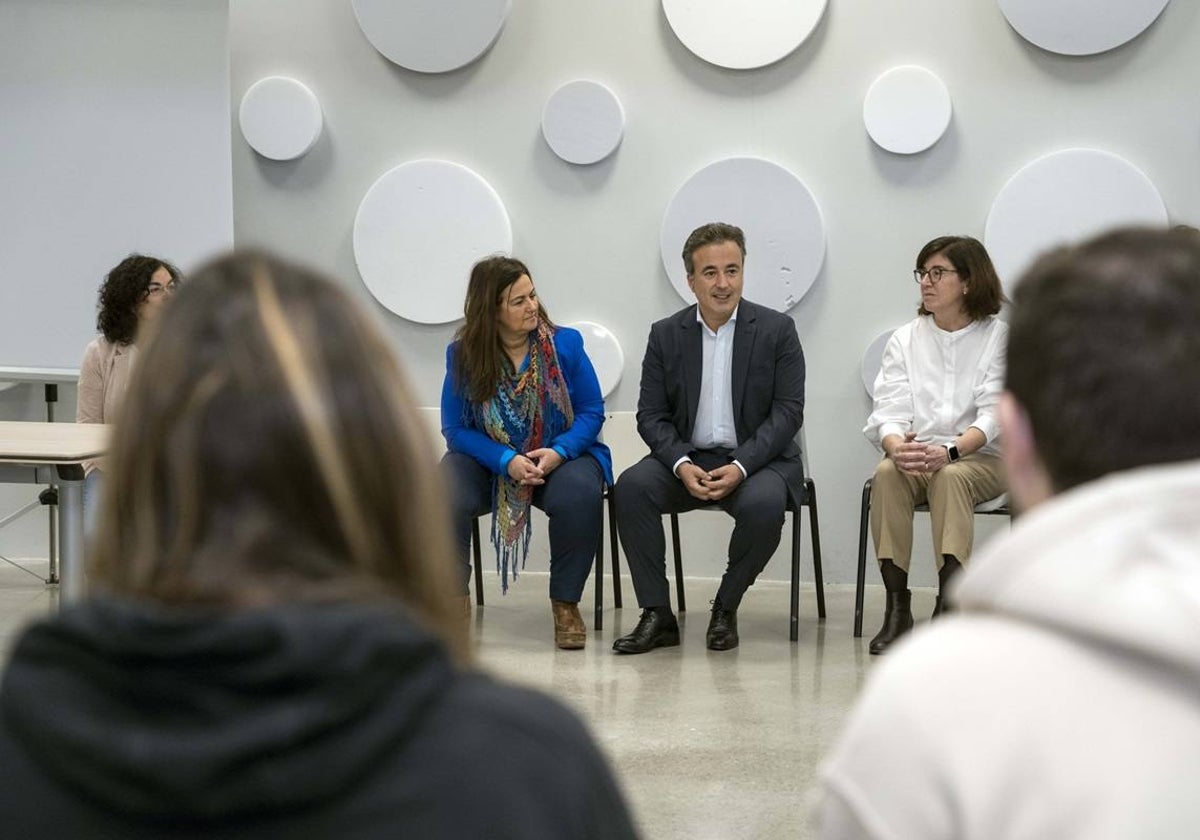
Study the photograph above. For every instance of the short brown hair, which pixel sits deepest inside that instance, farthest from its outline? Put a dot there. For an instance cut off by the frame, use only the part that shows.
(712, 234)
(970, 259)
(255, 458)
(1104, 353)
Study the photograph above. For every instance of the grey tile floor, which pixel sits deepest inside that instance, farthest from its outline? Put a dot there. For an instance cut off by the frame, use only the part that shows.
(706, 744)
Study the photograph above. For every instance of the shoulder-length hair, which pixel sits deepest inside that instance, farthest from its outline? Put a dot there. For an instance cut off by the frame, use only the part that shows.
(121, 292)
(480, 360)
(968, 256)
(273, 454)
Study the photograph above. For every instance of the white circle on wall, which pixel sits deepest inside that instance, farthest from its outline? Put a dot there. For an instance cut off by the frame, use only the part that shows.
(280, 118)
(1064, 197)
(755, 33)
(432, 36)
(583, 122)
(785, 234)
(418, 231)
(604, 351)
(1081, 27)
(907, 109)
(872, 360)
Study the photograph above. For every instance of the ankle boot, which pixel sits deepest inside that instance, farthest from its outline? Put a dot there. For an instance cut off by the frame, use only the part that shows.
(897, 620)
(569, 630)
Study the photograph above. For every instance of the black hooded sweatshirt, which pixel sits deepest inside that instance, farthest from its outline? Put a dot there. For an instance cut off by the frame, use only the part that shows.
(122, 719)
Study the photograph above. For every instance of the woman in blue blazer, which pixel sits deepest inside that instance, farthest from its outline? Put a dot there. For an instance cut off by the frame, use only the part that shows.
(521, 414)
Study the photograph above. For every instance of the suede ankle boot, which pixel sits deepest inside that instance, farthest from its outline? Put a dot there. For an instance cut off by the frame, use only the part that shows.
(897, 620)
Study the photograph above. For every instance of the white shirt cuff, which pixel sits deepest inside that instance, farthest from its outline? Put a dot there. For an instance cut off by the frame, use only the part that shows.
(745, 475)
(684, 460)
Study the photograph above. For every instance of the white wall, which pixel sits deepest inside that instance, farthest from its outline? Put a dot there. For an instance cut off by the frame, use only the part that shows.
(113, 138)
(591, 234)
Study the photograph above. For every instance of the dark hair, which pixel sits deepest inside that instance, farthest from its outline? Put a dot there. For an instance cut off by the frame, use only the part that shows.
(1104, 353)
(711, 234)
(970, 259)
(121, 292)
(480, 361)
(268, 421)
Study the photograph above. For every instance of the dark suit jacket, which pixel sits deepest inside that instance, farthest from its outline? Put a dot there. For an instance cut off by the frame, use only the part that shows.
(768, 390)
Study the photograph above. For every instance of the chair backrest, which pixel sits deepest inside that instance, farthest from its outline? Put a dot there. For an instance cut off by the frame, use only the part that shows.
(621, 436)
(803, 444)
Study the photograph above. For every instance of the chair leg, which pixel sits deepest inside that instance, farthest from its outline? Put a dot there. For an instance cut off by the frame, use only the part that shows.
(616, 554)
(860, 587)
(794, 620)
(810, 489)
(678, 563)
(598, 622)
(476, 554)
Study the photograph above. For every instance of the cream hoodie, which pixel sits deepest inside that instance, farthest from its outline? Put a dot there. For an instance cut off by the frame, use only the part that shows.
(1063, 701)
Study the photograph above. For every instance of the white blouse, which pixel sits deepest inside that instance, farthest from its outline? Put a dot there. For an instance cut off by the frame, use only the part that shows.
(938, 383)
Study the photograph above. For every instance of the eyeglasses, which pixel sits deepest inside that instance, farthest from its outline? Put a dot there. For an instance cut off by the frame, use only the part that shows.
(935, 274)
(158, 289)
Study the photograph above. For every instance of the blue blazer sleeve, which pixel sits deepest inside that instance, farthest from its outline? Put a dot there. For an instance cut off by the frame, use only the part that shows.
(584, 390)
(459, 429)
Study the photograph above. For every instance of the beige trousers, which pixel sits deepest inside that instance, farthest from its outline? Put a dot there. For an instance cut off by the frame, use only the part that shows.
(952, 493)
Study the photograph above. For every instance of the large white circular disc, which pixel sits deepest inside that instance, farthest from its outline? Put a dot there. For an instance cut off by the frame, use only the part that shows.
(1064, 197)
(418, 231)
(751, 33)
(605, 353)
(785, 234)
(280, 118)
(432, 36)
(583, 122)
(872, 361)
(907, 110)
(1081, 27)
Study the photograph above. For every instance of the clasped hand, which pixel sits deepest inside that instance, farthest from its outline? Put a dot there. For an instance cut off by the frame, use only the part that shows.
(533, 466)
(916, 458)
(710, 485)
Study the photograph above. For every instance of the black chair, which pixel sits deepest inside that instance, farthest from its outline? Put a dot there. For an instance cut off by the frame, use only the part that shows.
(988, 508)
(809, 501)
(598, 621)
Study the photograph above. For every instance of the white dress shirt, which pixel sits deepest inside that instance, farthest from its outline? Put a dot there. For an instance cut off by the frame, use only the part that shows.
(714, 427)
(938, 383)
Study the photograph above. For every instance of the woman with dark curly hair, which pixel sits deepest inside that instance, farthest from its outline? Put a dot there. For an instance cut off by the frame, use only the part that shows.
(130, 297)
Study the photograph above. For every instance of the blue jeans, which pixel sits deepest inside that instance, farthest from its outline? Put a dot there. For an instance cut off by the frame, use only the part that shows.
(572, 498)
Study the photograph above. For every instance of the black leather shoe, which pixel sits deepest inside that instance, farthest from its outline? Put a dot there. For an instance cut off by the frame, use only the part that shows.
(722, 630)
(897, 620)
(652, 631)
(941, 606)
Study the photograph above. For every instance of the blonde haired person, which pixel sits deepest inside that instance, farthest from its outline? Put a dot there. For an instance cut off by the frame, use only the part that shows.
(275, 649)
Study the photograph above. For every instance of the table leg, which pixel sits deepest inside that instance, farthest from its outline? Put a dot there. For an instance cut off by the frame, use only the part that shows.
(70, 515)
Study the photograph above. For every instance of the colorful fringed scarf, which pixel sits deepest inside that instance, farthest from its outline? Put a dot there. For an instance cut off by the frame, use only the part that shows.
(529, 408)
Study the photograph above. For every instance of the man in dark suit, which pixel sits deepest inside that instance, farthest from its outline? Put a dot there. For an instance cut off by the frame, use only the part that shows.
(722, 398)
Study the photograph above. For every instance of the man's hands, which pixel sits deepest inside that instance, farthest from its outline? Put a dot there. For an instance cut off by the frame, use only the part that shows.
(709, 485)
(919, 458)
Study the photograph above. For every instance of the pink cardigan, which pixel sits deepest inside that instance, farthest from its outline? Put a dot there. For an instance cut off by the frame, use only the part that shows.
(103, 380)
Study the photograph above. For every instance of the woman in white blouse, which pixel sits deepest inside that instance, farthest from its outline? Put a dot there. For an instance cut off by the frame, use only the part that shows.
(935, 420)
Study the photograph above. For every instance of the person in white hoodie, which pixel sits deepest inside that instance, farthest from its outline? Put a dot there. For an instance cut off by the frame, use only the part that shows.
(1063, 700)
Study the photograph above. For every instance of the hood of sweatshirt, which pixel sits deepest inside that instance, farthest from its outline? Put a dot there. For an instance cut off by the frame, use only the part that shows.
(1115, 562)
(189, 712)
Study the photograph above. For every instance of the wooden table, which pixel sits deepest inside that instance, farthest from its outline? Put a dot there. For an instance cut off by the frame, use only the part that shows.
(53, 453)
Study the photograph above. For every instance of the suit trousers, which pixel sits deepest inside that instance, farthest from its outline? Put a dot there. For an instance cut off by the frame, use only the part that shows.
(648, 489)
(952, 493)
(572, 499)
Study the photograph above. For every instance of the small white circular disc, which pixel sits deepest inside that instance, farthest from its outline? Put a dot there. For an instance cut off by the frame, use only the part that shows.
(907, 110)
(1062, 198)
(748, 34)
(418, 231)
(432, 36)
(583, 122)
(280, 118)
(1081, 27)
(872, 361)
(605, 352)
(785, 234)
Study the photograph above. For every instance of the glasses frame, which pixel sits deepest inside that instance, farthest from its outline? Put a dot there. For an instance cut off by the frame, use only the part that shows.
(156, 290)
(934, 279)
